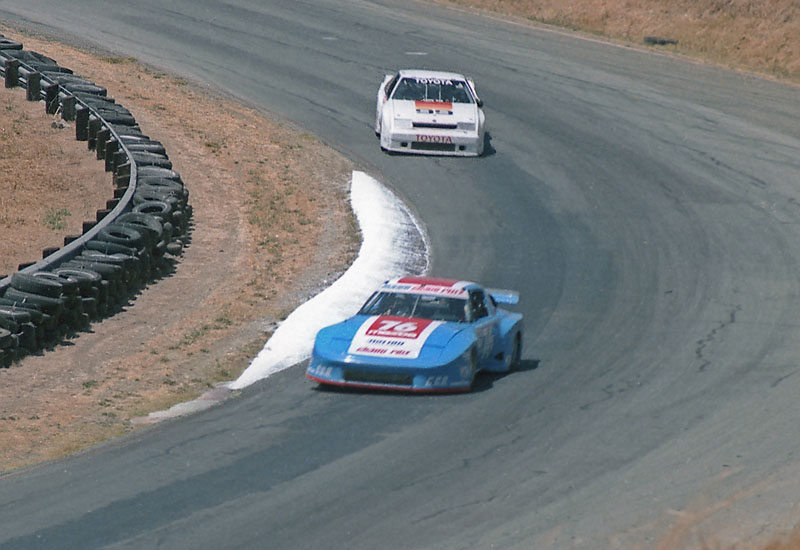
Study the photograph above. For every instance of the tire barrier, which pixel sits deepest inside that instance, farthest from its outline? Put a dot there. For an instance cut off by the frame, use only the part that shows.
(134, 240)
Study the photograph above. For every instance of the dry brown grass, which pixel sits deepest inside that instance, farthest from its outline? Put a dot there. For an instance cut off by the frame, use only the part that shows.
(49, 182)
(755, 35)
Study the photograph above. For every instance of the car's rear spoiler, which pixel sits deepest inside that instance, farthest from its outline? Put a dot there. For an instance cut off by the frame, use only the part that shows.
(508, 297)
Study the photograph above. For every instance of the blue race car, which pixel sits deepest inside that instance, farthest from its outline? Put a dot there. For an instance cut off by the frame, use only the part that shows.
(421, 335)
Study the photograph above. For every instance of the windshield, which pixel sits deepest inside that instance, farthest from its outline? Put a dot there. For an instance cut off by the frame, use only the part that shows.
(433, 89)
(421, 306)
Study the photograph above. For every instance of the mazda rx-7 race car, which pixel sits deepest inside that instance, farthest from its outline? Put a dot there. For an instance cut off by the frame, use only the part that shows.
(420, 335)
(429, 112)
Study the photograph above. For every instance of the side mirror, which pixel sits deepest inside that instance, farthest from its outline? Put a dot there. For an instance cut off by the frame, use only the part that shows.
(480, 102)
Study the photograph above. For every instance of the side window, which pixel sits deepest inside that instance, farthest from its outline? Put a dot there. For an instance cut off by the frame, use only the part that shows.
(477, 304)
(390, 85)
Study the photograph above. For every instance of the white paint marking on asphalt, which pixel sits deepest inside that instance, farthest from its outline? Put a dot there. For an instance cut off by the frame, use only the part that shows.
(390, 247)
(393, 244)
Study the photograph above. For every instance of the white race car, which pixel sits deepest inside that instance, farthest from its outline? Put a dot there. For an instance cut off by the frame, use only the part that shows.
(430, 112)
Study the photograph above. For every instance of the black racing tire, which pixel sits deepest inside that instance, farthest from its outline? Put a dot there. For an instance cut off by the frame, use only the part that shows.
(151, 159)
(119, 233)
(28, 336)
(47, 304)
(107, 247)
(36, 314)
(114, 117)
(155, 147)
(6, 340)
(52, 69)
(175, 194)
(111, 288)
(162, 183)
(174, 248)
(98, 288)
(8, 45)
(131, 265)
(69, 285)
(145, 193)
(90, 307)
(90, 278)
(160, 209)
(92, 99)
(15, 315)
(28, 282)
(123, 130)
(122, 260)
(32, 58)
(148, 171)
(145, 223)
(64, 78)
(136, 137)
(109, 272)
(8, 323)
(92, 89)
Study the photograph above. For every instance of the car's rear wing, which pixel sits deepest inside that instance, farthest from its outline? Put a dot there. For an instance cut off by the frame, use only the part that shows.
(508, 297)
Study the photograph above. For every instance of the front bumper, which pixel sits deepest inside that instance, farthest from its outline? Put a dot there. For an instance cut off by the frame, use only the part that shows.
(433, 142)
(453, 377)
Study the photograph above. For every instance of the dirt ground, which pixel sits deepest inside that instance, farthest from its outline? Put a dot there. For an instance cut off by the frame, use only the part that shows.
(270, 213)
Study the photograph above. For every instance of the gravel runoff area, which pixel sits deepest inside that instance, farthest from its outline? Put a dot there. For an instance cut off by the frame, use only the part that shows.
(272, 225)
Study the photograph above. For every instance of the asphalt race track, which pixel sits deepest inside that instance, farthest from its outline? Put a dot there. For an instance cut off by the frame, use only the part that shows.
(646, 208)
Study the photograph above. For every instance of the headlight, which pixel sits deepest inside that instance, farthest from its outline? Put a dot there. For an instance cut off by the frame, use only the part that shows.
(466, 125)
(402, 123)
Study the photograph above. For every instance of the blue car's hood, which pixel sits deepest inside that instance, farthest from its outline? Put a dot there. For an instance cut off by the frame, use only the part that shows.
(390, 338)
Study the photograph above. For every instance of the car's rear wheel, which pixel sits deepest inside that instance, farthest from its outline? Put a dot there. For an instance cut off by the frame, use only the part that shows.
(516, 353)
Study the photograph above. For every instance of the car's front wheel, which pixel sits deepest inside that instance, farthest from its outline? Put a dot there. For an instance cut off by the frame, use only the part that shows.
(473, 366)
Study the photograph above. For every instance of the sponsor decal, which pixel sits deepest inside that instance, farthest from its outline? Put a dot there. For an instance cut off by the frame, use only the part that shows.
(434, 106)
(434, 139)
(433, 381)
(388, 336)
(321, 371)
(430, 287)
(435, 81)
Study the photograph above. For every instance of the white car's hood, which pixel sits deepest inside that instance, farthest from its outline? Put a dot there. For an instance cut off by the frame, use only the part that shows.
(434, 112)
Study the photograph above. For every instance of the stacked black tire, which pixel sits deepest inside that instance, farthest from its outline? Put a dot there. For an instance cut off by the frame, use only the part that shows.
(46, 302)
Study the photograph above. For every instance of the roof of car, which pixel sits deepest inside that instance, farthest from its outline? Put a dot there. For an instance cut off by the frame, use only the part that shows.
(429, 285)
(420, 73)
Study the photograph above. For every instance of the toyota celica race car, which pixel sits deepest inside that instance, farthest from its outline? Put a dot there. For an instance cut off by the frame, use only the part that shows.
(420, 335)
(429, 112)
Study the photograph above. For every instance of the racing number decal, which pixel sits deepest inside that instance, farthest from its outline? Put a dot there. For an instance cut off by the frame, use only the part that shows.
(388, 336)
(401, 329)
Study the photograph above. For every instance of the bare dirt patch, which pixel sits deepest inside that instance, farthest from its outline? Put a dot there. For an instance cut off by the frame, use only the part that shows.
(271, 226)
(49, 182)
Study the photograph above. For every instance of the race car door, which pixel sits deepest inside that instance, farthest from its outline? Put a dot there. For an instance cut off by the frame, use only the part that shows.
(484, 316)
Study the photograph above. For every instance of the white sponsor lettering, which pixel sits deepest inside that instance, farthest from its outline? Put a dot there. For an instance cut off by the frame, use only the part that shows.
(321, 370)
(435, 81)
(436, 381)
(426, 289)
